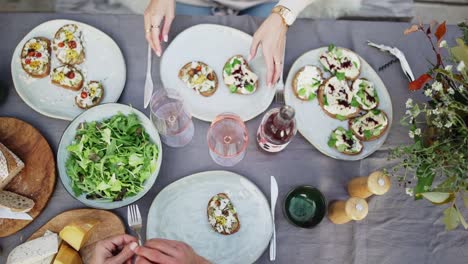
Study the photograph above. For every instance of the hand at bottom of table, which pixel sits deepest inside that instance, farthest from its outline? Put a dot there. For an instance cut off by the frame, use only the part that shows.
(163, 251)
(115, 250)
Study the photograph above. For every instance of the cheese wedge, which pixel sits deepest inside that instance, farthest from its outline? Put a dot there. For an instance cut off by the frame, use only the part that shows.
(35, 251)
(67, 255)
(77, 234)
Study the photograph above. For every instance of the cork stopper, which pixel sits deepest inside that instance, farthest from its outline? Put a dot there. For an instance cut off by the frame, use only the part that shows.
(356, 208)
(378, 183)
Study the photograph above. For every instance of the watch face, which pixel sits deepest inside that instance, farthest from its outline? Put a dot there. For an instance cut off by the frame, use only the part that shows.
(288, 18)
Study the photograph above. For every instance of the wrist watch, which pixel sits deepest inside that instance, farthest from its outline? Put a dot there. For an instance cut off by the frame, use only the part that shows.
(286, 14)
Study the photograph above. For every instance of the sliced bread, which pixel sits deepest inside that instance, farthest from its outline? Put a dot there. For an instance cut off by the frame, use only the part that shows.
(199, 77)
(68, 45)
(341, 60)
(336, 99)
(369, 126)
(10, 165)
(68, 77)
(239, 77)
(306, 82)
(222, 215)
(35, 57)
(15, 202)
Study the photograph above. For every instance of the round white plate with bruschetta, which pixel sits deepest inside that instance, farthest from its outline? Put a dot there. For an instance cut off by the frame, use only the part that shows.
(207, 64)
(362, 112)
(63, 67)
(182, 211)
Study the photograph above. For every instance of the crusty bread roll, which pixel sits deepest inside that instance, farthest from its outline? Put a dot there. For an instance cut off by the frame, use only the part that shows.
(10, 165)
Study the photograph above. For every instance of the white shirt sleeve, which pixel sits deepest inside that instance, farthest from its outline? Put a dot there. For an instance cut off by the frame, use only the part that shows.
(296, 6)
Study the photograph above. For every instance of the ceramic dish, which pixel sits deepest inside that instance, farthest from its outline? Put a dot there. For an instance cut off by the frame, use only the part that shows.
(53, 101)
(97, 113)
(214, 45)
(305, 206)
(316, 126)
(180, 212)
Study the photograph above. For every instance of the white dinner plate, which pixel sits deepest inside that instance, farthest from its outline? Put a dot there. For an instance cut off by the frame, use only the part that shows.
(104, 62)
(214, 45)
(179, 212)
(99, 113)
(316, 126)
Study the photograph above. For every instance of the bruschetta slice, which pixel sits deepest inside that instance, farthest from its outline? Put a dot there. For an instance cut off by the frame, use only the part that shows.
(68, 45)
(200, 77)
(306, 82)
(341, 61)
(222, 215)
(239, 77)
(345, 142)
(68, 77)
(369, 126)
(365, 94)
(35, 57)
(90, 95)
(336, 99)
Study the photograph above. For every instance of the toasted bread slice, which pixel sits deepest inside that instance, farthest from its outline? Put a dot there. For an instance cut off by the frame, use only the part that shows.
(35, 57)
(90, 95)
(239, 77)
(10, 165)
(336, 99)
(341, 61)
(200, 77)
(365, 94)
(306, 82)
(68, 45)
(68, 77)
(369, 126)
(222, 215)
(15, 202)
(345, 142)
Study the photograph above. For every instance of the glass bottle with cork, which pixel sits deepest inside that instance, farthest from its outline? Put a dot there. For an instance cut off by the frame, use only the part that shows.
(277, 129)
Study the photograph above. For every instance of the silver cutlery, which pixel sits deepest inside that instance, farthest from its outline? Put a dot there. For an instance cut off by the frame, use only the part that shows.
(399, 55)
(279, 87)
(274, 197)
(134, 221)
(149, 80)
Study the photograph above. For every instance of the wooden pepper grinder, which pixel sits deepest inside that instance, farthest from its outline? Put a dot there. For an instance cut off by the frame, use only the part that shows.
(341, 212)
(377, 183)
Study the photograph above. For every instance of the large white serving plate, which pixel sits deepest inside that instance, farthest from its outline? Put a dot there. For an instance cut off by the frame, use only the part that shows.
(179, 212)
(104, 62)
(99, 113)
(214, 45)
(316, 126)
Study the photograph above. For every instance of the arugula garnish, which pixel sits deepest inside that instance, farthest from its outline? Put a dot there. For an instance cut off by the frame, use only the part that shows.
(367, 134)
(355, 64)
(340, 117)
(376, 111)
(233, 88)
(340, 76)
(312, 96)
(249, 87)
(331, 47)
(354, 102)
(228, 68)
(302, 92)
(325, 100)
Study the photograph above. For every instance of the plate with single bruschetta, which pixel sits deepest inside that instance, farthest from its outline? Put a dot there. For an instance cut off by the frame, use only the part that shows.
(342, 106)
(63, 67)
(207, 64)
(225, 217)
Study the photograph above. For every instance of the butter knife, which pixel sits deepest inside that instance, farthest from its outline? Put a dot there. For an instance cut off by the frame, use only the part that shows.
(8, 214)
(149, 80)
(400, 56)
(274, 197)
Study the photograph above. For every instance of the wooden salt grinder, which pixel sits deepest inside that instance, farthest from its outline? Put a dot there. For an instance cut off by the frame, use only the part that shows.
(377, 183)
(341, 212)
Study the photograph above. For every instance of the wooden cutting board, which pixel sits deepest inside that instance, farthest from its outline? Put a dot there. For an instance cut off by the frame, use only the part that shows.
(37, 180)
(109, 225)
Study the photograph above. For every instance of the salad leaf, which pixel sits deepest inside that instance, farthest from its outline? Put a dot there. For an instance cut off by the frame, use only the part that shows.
(340, 76)
(233, 88)
(340, 117)
(331, 47)
(249, 87)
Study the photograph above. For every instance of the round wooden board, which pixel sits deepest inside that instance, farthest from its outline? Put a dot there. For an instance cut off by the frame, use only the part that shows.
(109, 225)
(37, 179)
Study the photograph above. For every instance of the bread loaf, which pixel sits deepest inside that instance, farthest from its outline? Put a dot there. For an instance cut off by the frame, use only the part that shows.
(10, 166)
(15, 202)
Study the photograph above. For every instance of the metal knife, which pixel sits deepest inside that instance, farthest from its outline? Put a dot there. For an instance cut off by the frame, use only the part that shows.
(400, 56)
(149, 80)
(274, 197)
(8, 214)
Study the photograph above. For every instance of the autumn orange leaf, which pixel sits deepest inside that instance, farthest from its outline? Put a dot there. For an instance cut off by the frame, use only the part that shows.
(411, 29)
(440, 31)
(420, 82)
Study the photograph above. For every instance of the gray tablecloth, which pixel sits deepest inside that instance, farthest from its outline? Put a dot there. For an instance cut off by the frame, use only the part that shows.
(397, 229)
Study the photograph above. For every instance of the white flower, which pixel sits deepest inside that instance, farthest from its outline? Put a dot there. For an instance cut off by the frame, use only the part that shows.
(449, 68)
(460, 88)
(461, 66)
(428, 92)
(438, 124)
(408, 112)
(437, 86)
(436, 111)
(417, 132)
(448, 125)
(409, 103)
(409, 191)
(451, 91)
(443, 44)
(411, 134)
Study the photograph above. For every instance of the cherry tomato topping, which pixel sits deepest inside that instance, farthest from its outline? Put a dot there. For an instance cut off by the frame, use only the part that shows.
(71, 75)
(31, 54)
(28, 61)
(72, 44)
(198, 68)
(61, 45)
(38, 54)
(84, 95)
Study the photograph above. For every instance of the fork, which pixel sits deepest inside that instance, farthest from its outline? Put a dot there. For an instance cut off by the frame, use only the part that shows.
(134, 220)
(279, 87)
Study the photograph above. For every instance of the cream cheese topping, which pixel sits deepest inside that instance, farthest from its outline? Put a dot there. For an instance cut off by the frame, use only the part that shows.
(341, 60)
(238, 77)
(338, 97)
(91, 93)
(308, 82)
(221, 215)
(370, 124)
(68, 45)
(35, 56)
(199, 81)
(345, 141)
(61, 75)
(365, 94)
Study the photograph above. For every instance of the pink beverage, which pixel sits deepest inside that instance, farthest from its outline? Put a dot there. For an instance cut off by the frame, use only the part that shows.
(277, 129)
(227, 139)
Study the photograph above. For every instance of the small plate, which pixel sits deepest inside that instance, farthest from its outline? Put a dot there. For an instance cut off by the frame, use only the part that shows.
(305, 206)
(98, 113)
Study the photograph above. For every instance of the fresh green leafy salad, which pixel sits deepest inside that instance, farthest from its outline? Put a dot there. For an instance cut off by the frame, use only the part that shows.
(111, 159)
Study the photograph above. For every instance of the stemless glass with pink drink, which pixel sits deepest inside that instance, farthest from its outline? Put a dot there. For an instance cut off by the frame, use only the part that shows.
(227, 139)
(170, 117)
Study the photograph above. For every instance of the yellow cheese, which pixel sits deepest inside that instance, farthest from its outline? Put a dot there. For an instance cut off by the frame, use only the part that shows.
(77, 234)
(67, 255)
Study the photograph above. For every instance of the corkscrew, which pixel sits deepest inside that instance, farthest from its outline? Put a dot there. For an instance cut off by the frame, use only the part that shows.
(400, 56)
(388, 64)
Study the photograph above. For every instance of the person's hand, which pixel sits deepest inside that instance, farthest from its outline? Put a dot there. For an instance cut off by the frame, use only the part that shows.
(156, 11)
(272, 36)
(115, 250)
(164, 251)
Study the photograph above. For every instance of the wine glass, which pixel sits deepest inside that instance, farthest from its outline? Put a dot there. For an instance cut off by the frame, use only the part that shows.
(171, 119)
(227, 139)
